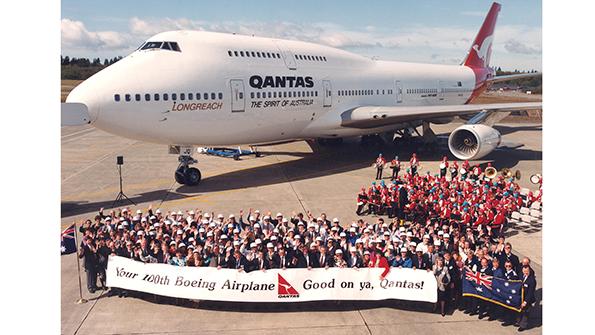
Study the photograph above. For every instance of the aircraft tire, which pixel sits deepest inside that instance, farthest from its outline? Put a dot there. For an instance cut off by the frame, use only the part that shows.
(192, 176)
(179, 176)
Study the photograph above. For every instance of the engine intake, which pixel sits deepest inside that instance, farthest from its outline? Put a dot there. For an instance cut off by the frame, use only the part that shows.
(473, 141)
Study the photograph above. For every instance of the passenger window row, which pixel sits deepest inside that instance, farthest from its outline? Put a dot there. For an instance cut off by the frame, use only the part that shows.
(253, 54)
(312, 58)
(422, 90)
(166, 96)
(283, 94)
(345, 93)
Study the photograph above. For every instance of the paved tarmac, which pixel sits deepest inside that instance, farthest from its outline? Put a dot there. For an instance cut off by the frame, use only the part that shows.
(288, 177)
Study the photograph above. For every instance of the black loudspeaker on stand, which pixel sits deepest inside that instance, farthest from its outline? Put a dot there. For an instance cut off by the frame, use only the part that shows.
(121, 195)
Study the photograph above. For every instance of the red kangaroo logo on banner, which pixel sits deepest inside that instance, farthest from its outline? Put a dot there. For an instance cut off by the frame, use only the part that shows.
(285, 290)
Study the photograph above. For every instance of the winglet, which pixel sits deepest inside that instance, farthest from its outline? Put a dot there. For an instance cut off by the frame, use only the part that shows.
(481, 49)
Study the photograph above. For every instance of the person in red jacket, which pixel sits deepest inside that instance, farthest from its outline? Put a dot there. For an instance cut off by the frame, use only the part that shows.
(379, 261)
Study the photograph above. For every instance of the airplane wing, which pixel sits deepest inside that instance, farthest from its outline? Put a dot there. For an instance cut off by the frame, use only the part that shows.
(509, 77)
(377, 116)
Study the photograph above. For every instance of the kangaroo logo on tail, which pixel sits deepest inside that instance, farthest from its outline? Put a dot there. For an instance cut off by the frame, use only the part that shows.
(484, 52)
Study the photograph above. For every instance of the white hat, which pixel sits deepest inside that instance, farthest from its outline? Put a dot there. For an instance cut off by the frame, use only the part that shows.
(338, 251)
(252, 218)
(419, 248)
(440, 232)
(335, 220)
(384, 225)
(191, 239)
(236, 231)
(403, 249)
(220, 216)
(366, 252)
(109, 218)
(297, 237)
(204, 221)
(125, 210)
(396, 239)
(231, 216)
(180, 232)
(207, 215)
(300, 223)
(359, 240)
(144, 219)
(353, 249)
(318, 238)
(257, 211)
(191, 212)
(180, 213)
(172, 243)
(343, 234)
(426, 236)
(270, 245)
(158, 211)
(138, 211)
(258, 241)
(386, 233)
(201, 230)
(209, 233)
(352, 230)
(252, 245)
(266, 217)
(191, 246)
(256, 225)
(446, 235)
(189, 219)
(409, 234)
(156, 224)
(213, 224)
(436, 242)
(412, 244)
(181, 245)
(279, 214)
(284, 220)
(401, 228)
(276, 231)
(236, 242)
(230, 225)
(223, 237)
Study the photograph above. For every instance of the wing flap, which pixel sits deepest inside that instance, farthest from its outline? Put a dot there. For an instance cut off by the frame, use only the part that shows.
(378, 116)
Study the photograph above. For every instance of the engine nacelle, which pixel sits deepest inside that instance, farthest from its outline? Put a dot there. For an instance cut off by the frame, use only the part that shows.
(473, 141)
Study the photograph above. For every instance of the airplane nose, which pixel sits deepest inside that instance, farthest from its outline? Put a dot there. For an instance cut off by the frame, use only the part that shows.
(85, 95)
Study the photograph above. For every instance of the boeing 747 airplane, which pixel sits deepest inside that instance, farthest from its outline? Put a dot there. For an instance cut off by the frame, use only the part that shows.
(192, 88)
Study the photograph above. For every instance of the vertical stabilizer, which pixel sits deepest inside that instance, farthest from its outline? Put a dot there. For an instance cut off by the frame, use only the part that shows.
(481, 49)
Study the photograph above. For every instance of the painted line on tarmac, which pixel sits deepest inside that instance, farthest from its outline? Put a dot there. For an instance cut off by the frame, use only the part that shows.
(86, 130)
(101, 159)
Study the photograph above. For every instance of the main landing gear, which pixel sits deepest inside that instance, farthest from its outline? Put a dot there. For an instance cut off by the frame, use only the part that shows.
(185, 174)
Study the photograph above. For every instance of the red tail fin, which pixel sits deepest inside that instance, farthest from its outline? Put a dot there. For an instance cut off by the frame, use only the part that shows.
(481, 50)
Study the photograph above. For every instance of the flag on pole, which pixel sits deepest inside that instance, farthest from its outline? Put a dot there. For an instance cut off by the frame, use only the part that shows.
(68, 241)
(506, 293)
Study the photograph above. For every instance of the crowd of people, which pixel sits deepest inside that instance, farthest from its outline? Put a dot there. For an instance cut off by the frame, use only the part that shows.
(434, 225)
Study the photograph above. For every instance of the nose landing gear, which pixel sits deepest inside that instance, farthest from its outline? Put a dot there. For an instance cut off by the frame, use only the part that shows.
(185, 174)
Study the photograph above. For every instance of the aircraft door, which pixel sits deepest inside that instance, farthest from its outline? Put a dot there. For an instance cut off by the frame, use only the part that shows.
(328, 99)
(287, 56)
(399, 91)
(238, 101)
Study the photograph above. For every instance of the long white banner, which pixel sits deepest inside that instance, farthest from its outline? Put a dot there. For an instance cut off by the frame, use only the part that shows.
(275, 285)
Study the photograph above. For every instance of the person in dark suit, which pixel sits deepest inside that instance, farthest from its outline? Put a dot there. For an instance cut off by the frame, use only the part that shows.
(88, 252)
(419, 261)
(482, 305)
(495, 310)
(354, 260)
(507, 255)
(259, 262)
(324, 260)
(529, 286)
(284, 259)
(238, 261)
(271, 257)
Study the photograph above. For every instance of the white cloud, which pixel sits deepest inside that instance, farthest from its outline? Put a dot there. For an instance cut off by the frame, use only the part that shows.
(75, 35)
(517, 47)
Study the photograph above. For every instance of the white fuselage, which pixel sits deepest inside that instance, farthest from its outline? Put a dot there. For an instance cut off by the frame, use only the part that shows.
(243, 109)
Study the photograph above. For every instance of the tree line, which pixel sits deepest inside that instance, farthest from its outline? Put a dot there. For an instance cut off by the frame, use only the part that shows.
(83, 68)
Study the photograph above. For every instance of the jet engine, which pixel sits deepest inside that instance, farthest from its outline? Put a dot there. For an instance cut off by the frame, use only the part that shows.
(473, 141)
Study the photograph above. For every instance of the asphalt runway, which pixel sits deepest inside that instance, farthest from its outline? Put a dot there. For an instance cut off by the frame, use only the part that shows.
(288, 177)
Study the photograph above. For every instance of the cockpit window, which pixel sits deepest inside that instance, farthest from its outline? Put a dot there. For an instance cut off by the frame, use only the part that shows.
(161, 45)
(151, 45)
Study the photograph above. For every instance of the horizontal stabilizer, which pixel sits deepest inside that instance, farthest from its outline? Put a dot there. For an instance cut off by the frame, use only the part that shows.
(75, 114)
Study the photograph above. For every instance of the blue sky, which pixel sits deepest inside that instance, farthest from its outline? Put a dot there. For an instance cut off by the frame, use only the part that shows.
(423, 31)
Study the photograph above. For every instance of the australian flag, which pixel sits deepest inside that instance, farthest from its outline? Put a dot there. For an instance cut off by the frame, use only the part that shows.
(68, 242)
(506, 293)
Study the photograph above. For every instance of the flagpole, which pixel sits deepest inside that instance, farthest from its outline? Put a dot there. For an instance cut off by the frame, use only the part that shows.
(78, 269)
